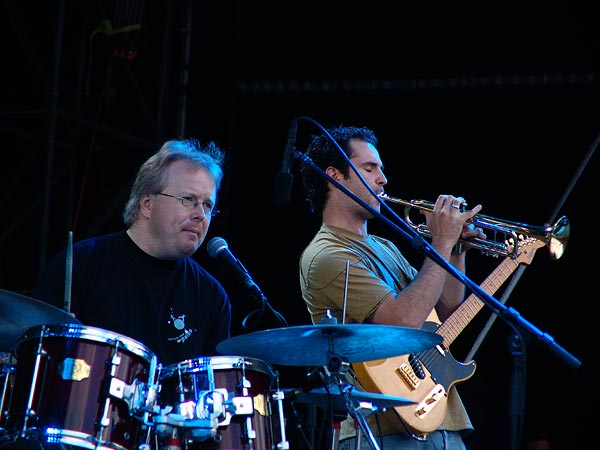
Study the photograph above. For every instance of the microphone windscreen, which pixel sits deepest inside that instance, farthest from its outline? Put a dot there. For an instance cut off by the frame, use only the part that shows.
(283, 188)
(215, 245)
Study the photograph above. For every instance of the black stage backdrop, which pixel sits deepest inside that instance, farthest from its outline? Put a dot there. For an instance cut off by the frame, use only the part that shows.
(498, 106)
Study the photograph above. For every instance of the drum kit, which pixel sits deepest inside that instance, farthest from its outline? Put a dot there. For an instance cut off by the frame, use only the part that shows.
(73, 386)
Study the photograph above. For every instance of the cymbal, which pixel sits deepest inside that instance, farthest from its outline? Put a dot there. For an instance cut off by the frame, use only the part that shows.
(332, 398)
(310, 345)
(19, 312)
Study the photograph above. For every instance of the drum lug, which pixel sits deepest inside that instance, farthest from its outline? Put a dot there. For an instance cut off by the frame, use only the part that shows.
(117, 388)
(283, 444)
(243, 406)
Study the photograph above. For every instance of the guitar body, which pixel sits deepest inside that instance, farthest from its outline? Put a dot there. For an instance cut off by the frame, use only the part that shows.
(444, 369)
(399, 377)
(426, 377)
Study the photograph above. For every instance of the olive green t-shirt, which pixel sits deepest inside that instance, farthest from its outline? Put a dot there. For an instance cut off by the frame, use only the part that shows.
(341, 271)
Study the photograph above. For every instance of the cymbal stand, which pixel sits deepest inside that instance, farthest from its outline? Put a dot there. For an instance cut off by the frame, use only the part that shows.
(359, 436)
(337, 367)
(335, 433)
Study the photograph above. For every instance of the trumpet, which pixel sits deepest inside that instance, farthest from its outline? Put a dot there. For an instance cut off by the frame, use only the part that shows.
(555, 237)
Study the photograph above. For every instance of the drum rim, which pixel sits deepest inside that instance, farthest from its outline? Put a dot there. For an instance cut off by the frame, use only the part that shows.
(74, 330)
(219, 362)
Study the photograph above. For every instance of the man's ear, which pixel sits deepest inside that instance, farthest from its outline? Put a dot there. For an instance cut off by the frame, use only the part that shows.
(146, 203)
(333, 173)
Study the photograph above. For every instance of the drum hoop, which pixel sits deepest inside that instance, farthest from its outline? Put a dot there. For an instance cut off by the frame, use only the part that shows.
(74, 330)
(219, 363)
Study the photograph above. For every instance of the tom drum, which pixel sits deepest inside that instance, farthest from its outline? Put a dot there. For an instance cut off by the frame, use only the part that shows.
(82, 386)
(219, 402)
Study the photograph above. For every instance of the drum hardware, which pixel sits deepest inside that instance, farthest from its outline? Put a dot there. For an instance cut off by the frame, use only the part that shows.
(144, 444)
(29, 412)
(213, 408)
(8, 369)
(166, 422)
(250, 434)
(139, 397)
(221, 398)
(113, 362)
(338, 367)
(279, 396)
(331, 398)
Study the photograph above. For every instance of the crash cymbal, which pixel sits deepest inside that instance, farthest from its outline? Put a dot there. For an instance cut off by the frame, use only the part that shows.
(310, 345)
(18, 313)
(332, 398)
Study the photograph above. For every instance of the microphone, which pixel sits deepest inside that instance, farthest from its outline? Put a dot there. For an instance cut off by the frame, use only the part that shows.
(285, 179)
(217, 248)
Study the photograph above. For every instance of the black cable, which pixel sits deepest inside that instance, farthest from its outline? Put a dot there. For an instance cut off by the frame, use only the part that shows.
(260, 312)
(264, 306)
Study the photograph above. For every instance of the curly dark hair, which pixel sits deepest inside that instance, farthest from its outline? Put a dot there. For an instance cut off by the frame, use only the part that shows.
(324, 153)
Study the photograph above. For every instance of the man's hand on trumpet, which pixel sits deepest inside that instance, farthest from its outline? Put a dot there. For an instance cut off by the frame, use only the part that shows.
(449, 225)
(449, 222)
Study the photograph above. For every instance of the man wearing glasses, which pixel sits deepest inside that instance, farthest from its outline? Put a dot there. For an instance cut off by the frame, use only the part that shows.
(142, 282)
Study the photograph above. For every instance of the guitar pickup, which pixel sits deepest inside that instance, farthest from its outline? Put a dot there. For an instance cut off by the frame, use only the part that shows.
(429, 402)
(408, 375)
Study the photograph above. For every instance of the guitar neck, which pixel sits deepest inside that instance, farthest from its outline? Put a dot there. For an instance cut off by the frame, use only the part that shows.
(460, 318)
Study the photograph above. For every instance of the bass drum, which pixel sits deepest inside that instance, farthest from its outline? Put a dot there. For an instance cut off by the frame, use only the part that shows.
(81, 386)
(219, 402)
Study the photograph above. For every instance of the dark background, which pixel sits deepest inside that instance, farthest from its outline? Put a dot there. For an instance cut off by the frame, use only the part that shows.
(495, 102)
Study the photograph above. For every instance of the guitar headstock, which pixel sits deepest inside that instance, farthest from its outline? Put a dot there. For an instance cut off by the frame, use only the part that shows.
(526, 248)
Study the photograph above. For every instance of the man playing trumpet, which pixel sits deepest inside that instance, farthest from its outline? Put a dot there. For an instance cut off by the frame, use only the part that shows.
(344, 261)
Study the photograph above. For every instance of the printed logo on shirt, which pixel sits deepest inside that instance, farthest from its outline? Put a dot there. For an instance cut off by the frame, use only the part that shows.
(179, 323)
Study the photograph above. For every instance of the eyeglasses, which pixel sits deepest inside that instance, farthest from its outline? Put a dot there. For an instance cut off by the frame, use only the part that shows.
(192, 203)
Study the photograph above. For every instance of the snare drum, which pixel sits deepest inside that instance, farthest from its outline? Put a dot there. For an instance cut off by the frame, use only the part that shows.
(82, 386)
(219, 402)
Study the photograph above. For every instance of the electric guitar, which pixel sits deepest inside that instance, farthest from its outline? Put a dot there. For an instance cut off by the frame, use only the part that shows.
(425, 377)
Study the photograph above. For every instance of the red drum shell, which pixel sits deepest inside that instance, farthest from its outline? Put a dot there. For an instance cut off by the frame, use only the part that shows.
(69, 391)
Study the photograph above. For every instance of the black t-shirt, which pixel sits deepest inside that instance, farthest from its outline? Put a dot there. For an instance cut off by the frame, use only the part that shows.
(175, 308)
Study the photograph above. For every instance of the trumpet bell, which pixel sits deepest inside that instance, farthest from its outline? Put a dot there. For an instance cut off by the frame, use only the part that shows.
(558, 237)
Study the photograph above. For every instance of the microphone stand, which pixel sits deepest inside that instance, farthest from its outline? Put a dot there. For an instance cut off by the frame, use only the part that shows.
(517, 390)
(508, 314)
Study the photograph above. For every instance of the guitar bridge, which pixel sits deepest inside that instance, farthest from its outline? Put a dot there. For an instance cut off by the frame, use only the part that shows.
(408, 375)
